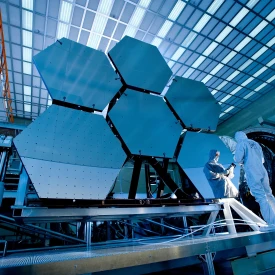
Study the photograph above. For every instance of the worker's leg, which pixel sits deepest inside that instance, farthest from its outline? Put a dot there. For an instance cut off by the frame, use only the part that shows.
(258, 191)
(268, 191)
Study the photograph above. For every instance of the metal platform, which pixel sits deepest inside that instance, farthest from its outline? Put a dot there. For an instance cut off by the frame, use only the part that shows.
(134, 254)
(37, 214)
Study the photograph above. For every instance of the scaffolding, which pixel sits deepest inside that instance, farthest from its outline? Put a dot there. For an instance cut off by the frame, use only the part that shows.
(4, 75)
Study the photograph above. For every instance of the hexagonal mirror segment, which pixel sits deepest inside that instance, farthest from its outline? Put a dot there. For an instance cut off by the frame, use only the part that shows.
(193, 103)
(194, 154)
(146, 124)
(78, 75)
(70, 154)
(140, 65)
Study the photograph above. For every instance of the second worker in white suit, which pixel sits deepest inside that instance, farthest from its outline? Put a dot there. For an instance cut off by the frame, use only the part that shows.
(250, 154)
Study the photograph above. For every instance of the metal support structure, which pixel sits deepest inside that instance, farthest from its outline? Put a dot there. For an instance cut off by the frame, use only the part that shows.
(161, 183)
(135, 177)
(185, 224)
(229, 218)
(247, 215)
(4, 73)
(164, 225)
(166, 178)
(207, 258)
(137, 226)
(2, 172)
(147, 180)
(88, 234)
(22, 188)
(211, 219)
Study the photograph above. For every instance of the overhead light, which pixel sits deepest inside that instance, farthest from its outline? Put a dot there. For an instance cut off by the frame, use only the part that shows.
(137, 17)
(144, 3)
(222, 114)
(259, 52)
(27, 4)
(229, 109)
(241, 45)
(27, 54)
(258, 29)
(178, 53)
(27, 93)
(27, 68)
(217, 68)
(241, 14)
(130, 31)
(65, 12)
(250, 79)
(260, 87)
(27, 38)
(252, 3)
(176, 11)
(165, 28)
(198, 62)
(27, 107)
(50, 102)
(206, 78)
(171, 63)
(228, 57)
(214, 92)
(156, 41)
(210, 48)
(271, 79)
(27, 17)
(271, 63)
(62, 30)
(229, 78)
(215, 6)
(188, 72)
(99, 24)
(271, 16)
(223, 34)
(225, 98)
(93, 40)
(249, 95)
(202, 22)
(105, 6)
(236, 90)
(222, 85)
(271, 42)
(263, 69)
(245, 64)
(189, 39)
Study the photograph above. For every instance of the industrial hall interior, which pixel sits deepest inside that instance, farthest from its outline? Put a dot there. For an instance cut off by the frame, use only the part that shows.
(137, 137)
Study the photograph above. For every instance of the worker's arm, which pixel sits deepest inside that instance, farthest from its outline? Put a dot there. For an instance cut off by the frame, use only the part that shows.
(212, 175)
(261, 152)
(239, 154)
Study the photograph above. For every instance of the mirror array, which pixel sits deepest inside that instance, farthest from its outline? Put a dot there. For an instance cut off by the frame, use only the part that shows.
(71, 152)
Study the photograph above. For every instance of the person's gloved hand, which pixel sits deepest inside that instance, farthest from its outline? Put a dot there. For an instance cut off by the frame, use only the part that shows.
(226, 172)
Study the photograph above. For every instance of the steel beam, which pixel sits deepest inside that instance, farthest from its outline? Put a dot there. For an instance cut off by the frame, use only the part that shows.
(166, 178)
(35, 214)
(161, 183)
(135, 178)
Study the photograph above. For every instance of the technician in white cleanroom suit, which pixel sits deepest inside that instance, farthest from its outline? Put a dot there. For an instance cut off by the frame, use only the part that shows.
(250, 154)
(219, 177)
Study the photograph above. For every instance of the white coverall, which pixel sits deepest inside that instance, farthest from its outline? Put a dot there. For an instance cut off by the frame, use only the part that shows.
(250, 154)
(215, 173)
